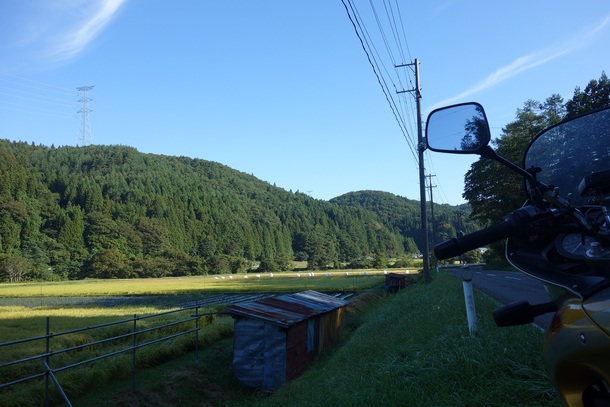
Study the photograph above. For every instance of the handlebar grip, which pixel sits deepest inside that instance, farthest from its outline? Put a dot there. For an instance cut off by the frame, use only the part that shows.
(458, 245)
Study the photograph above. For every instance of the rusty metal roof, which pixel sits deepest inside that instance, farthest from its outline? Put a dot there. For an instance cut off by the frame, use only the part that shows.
(289, 309)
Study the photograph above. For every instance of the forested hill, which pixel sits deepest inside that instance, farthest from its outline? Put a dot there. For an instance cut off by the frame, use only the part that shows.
(113, 212)
(402, 215)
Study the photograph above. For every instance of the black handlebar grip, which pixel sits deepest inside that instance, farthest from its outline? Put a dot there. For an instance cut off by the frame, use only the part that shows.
(458, 245)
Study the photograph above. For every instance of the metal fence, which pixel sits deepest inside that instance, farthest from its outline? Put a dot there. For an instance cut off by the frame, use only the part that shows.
(137, 336)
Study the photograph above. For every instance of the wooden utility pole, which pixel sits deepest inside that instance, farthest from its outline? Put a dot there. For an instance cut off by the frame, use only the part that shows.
(430, 186)
(421, 147)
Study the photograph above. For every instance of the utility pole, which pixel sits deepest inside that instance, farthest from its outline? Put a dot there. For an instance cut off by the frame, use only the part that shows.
(460, 231)
(421, 147)
(430, 186)
(84, 137)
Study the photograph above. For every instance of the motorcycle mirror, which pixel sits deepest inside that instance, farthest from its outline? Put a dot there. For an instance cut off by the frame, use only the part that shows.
(458, 129)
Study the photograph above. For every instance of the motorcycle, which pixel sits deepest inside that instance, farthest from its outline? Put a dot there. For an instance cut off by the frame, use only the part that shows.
(560, 236)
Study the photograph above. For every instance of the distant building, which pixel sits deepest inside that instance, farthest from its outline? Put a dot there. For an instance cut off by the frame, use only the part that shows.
(276, 338)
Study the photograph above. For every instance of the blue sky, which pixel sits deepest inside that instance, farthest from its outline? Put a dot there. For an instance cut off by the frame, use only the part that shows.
(283, 90)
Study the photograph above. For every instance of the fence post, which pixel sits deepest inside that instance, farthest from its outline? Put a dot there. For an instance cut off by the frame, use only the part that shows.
(61, 391)
(197, 335)
(48, 351)
(133, 355)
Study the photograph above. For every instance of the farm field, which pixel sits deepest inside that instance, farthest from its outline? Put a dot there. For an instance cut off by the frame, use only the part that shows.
(26, 309)
(281, 282)
(70, 304)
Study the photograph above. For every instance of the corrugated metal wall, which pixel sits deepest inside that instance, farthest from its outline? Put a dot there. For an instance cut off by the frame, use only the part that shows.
(297, 355)
(270, 348)
(331, 329)
(259, 353)
(274, 373)
(249, 351)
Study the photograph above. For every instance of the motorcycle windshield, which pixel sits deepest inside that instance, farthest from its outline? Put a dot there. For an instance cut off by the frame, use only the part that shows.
(571, 150)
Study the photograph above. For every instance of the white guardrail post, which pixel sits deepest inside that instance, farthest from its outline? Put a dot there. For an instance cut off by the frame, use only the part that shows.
(471, 313)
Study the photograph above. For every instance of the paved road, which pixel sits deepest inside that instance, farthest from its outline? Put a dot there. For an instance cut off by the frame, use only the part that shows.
(510, 286)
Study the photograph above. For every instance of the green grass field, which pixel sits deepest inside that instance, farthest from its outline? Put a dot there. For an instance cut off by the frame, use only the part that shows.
(24, 309)
(280, 282)
(70, 304)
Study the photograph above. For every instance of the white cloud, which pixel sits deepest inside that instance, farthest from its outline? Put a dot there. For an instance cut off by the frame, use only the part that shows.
(88, 23)
(527, 62)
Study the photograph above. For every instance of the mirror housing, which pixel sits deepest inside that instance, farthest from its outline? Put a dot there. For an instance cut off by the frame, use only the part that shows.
(458, 129)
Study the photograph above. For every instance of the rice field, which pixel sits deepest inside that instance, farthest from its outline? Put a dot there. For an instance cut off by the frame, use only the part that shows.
(26, 308)
(280, 282)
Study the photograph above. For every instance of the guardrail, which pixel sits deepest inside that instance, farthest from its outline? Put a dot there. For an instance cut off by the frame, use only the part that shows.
(135, 332)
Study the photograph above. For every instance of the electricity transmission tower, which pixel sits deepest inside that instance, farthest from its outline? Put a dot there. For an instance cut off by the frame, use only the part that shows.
(84, 134)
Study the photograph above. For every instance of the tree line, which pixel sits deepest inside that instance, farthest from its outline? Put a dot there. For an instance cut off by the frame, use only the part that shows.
(113, 212)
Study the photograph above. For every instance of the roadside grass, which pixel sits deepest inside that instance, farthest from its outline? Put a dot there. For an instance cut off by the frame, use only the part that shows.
(411, 348)
(414, 349)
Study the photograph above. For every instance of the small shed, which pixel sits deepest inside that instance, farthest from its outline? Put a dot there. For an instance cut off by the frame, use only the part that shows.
(276, 338)
(395, 282)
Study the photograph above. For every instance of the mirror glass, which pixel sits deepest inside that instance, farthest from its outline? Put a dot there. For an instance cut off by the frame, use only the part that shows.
(461, 129)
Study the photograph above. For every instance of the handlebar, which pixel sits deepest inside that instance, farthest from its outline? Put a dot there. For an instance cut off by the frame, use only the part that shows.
(513, 224)
(458, 245)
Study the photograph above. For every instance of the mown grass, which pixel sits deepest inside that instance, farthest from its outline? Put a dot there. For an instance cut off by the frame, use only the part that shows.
(414, 349)
(407, 349)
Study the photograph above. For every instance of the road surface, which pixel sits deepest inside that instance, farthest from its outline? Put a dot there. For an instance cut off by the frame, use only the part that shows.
(510, 286)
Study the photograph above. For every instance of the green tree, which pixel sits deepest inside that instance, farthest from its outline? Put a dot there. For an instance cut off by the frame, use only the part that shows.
(238, 265)
(220, 264)
(13, 216)
(473, 256)
(15, 269)
(380, 260)
(153, 234)
(322, 249)
(493, 190)
(284, 261)
(109, 263)
(71, 228)
(595, 96)
(152, 267)
(268, 265)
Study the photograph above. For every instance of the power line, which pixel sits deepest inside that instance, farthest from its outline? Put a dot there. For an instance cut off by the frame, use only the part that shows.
(36, 111)
(25, 95)
(37, 84)
(440, 187)
(405, 104)
(34, 97)
(361, 33)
